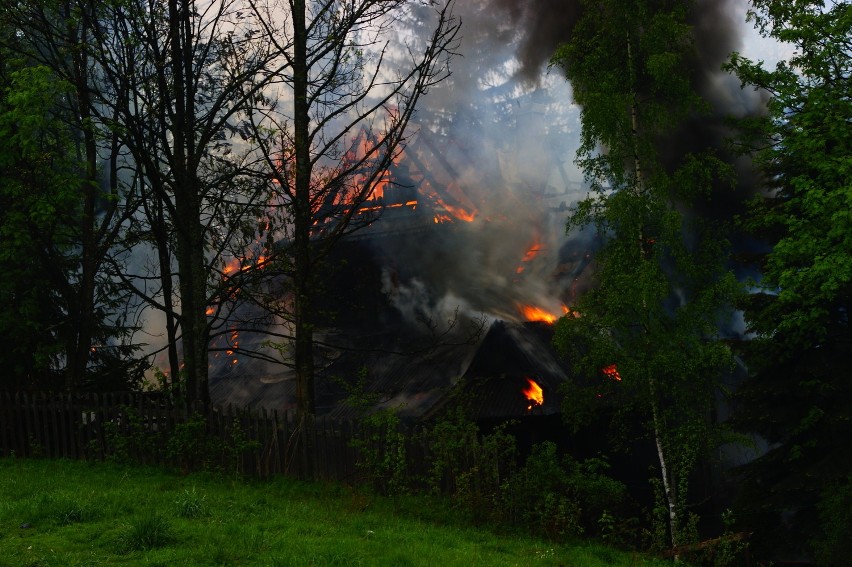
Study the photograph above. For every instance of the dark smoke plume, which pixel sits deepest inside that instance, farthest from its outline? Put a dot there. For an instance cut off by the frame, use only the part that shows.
(543, 25)
(513, 126)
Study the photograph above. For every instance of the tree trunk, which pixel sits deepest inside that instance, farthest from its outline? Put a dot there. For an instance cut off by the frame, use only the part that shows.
(303, 348)
(639, 188)
(78, 360)
(668, 489)
(189, 231)
(158, 227)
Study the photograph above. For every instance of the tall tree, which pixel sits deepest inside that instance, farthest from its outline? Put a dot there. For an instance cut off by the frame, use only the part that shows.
(649, 326)
(54, 164)
(165, 85)
(798, 393)
(39, 205)
(347, 94)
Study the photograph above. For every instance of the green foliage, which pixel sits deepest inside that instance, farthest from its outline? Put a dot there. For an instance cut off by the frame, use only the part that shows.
(732, 549)
(43, 188)
(661, 281)
(797, 396)
(127, 438)
(193, 448)
(189, 446)
(382, 445)
(38, 206)
(833, 545)
(564, 498)
(471, 466)
(807, 167)
(382, 451)
(551, 494)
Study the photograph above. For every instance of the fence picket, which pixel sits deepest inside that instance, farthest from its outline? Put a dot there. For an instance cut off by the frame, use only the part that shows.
(88, 426)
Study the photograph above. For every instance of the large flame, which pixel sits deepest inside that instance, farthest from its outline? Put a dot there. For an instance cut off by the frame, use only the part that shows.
(534, 394)
(534, 313)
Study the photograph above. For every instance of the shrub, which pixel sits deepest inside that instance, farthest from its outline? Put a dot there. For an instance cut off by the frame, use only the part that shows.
(193, 448)
(382, 452)
(471, 467)
(834, 545)
(127, 439)
(565, 498)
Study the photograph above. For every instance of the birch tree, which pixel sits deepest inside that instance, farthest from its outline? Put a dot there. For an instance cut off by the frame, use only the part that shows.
(647, 332)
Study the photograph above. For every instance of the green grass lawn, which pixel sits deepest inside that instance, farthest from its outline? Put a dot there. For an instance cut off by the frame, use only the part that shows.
(64, 513)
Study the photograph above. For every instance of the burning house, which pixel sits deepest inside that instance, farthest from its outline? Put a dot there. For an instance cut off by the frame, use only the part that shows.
(448, 290)
(461, 262)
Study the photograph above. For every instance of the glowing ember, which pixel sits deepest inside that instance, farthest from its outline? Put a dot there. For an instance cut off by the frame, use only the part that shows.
(611, 372)
(534, 394)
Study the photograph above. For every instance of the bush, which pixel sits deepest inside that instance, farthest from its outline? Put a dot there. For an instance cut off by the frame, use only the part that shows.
(834, 545)
(194, 449)
(382, 453)
(565, 498)
(471, 467)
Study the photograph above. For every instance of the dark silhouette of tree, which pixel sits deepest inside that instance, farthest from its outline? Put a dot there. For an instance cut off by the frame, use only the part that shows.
(55, 148)
(336, 118)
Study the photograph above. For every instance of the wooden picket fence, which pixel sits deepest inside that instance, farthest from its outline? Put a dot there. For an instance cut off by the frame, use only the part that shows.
(151, 429)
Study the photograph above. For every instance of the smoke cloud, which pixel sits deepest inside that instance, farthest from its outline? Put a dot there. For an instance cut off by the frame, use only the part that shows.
(508, 128)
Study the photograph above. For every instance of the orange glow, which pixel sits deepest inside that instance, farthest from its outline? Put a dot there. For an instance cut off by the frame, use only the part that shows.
(459, 212)
(529, 255)
(210, 310)
(532, 252)
(611, 372)
(534, 394)
(533, 313)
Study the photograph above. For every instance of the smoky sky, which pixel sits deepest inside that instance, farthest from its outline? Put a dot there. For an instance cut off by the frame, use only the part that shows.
(541, 25)
(544, 24)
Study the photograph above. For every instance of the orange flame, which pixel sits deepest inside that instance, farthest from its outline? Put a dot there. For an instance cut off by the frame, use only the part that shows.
(534, 394)
(532, 252)
(533, 313)
(611, 372)
(529, 255)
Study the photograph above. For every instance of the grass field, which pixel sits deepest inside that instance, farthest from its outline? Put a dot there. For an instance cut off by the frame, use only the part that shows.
(65, 513)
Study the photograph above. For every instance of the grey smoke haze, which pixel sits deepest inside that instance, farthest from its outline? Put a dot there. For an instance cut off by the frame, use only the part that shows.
(510, 129)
